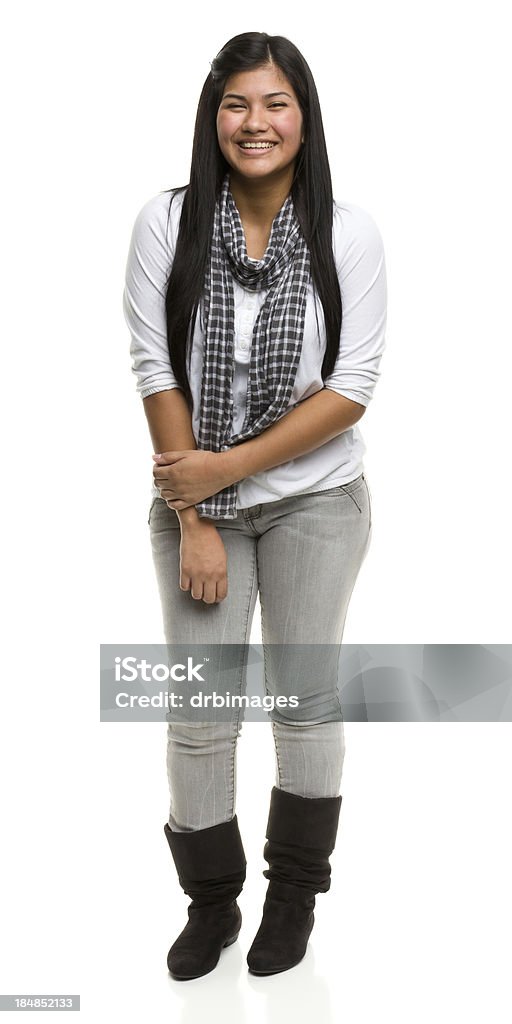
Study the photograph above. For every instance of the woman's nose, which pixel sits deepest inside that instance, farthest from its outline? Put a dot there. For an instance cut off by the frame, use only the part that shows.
(255, 120)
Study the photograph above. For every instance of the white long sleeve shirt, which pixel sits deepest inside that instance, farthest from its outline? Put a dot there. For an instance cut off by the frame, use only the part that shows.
(360, 262)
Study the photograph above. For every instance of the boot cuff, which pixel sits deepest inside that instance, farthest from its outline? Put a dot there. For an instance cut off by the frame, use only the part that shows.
(303, 821)
(207, 853)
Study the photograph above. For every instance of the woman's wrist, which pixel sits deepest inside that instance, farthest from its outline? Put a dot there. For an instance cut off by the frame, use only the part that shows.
(190, 519)
(232, 466)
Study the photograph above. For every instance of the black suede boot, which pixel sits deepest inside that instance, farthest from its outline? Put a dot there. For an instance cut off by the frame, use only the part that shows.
(211, 869)
(301, 834)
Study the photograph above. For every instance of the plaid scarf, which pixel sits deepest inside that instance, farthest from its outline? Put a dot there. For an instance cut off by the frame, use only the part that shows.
(277, 334)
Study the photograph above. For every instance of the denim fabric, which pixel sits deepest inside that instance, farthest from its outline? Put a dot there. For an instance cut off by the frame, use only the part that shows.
(303, 555)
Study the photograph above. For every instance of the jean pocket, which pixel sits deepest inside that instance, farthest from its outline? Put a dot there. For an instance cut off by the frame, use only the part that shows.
(352, 489)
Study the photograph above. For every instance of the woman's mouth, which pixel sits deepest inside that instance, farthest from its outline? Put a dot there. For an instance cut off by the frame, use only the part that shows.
(251, 147)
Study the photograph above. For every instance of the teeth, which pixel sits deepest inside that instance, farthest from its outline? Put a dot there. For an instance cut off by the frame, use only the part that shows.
(257, 145)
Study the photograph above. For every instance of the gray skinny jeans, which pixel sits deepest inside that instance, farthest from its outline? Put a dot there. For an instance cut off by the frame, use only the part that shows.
(303, 554)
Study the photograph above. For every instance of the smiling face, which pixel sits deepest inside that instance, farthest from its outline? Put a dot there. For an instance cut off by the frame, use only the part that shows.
(259, 124)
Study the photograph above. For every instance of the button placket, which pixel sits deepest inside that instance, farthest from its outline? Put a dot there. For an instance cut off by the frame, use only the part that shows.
(244, 333)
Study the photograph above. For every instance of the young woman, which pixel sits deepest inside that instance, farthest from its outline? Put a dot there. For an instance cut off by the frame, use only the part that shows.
(257, 309)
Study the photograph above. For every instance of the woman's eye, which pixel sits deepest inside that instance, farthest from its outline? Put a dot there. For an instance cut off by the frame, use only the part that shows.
(239, 106)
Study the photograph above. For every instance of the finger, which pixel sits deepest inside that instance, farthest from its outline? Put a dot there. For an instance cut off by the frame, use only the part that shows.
(222, 589)
(185, 582)
(164, 472)
(209, 592)
(163, 481)
(167, 458)
(164, 457)
(197, 589)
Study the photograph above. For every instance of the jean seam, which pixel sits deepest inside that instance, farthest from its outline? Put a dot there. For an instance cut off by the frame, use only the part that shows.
(233, 773)
(242, 671)
(267, 691)
(278, 763)
(151, 507)
(337, 694)
(369, 504)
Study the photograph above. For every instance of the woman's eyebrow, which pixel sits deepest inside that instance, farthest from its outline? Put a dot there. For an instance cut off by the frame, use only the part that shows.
(268, 96)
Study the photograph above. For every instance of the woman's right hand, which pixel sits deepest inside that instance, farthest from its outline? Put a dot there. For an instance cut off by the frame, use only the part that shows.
(203, 561)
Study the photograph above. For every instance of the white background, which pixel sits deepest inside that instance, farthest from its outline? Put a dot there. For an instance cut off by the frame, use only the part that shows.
(99, 106)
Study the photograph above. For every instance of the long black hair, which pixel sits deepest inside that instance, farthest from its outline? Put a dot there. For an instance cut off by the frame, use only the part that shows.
(311, 193)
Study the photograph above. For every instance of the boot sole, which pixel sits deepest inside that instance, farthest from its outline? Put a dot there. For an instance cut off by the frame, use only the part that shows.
(190, 977)
(277, 970)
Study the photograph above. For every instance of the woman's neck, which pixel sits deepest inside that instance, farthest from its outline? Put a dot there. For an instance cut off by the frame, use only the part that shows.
(258, 202)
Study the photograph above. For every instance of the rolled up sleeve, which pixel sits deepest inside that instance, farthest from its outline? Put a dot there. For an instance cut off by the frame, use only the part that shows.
(149, 262)
(360, 262)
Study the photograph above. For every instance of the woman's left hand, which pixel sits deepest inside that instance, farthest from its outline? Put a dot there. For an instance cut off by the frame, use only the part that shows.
(188, 477)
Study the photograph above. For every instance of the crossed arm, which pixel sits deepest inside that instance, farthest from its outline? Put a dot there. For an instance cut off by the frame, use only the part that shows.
(186, 475)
